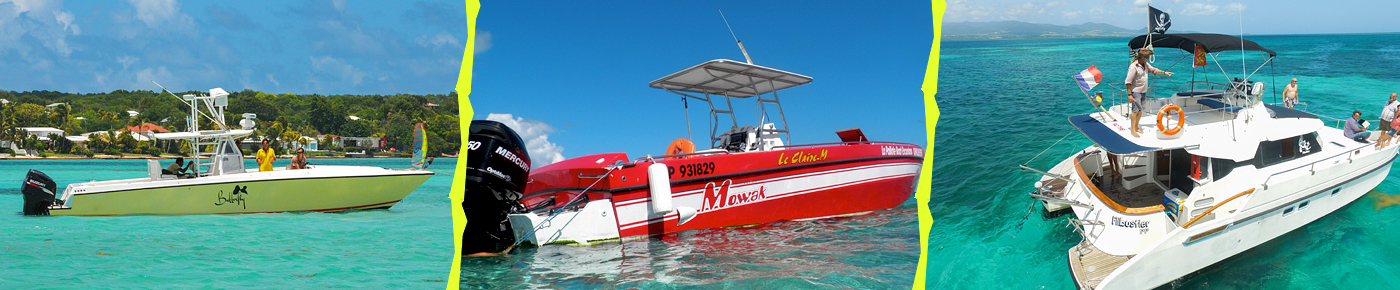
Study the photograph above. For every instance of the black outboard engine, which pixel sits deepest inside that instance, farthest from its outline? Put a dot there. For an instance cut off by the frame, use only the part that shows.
(39, 193)
(497, 169)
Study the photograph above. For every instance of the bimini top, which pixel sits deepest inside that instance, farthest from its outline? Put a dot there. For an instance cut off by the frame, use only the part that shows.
(730, 78)
(1209, 41)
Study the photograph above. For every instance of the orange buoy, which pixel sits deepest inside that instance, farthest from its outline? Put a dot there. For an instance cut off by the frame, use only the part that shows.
(1180, 119)
(680, 146)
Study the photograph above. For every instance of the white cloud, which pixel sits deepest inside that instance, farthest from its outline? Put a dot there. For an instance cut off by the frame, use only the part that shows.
(337, 67)
(482, 43)
(439, 40)
(536, 136)
(30, 17)
(961, 10)
(1198, 9)
(1235, 7)
(273, 80)
(1142, 3)
(158, 15)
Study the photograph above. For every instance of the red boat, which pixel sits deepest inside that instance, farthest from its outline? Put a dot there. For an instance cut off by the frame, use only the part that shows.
(749, 177)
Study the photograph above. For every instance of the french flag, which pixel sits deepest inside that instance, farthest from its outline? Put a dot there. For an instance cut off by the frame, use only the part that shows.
(1089, 78)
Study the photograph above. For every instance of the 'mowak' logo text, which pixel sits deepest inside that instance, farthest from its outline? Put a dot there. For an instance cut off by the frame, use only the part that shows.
(717, 198)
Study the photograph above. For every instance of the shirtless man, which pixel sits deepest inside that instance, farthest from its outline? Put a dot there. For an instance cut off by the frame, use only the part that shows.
(1290, 94)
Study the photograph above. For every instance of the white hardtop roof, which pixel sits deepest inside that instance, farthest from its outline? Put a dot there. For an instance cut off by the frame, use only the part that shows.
(730, 78)
(1210, 138)
(203, 134)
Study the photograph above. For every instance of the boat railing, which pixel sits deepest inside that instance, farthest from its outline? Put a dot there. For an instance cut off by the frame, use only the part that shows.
(726, 152)
(1212, 208)
(840, 143)
(1312, 166)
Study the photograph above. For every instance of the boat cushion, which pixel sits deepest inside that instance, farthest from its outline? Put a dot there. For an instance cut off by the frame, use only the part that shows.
(1213, 104)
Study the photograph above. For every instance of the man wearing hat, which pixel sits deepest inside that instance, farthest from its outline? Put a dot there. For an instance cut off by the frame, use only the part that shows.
(1136, 83)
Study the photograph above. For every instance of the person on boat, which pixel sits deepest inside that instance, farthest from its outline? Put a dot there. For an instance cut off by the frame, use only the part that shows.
(298, 161)
(266, 157)
(1290, 94)
(1354, 130)
(1136, 83)
(178, 168)
(1388, 114)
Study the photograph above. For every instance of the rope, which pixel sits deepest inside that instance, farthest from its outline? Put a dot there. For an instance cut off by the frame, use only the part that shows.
(561, 210)
(1048, 148)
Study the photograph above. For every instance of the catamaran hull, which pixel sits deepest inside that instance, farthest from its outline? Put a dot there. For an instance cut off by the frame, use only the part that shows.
(1185, 251)
(195, 196)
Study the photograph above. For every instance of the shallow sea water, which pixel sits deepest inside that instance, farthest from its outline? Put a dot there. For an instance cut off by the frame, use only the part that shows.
(406, 246)
(1003, 102)
(873, 251)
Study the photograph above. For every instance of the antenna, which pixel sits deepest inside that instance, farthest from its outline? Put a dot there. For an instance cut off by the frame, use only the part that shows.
(736, 38)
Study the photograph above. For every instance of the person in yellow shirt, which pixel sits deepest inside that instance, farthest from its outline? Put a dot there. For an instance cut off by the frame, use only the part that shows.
(266, 157)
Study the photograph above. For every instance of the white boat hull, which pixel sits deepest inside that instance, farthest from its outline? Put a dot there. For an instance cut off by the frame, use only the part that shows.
(321, 188)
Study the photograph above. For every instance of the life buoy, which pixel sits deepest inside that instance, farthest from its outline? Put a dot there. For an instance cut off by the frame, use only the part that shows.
(1180, 119)
(680, 146)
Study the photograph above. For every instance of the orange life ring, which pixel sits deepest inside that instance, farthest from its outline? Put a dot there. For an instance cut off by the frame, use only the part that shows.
(680, 146)
(1180, 119)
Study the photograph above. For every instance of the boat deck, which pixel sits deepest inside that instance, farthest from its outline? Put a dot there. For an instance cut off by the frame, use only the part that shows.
(1145, 195)
(1090, 266)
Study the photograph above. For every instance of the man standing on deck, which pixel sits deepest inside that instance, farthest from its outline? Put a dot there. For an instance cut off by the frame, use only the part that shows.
(1388, 114)
(1137, 84)
(266, 157)
(1290, 94)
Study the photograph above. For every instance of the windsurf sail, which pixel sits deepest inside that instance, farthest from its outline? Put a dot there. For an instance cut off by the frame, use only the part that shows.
(420, 143)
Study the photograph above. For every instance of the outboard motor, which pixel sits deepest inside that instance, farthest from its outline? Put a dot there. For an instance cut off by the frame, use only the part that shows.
(39, 193)
(497, 169)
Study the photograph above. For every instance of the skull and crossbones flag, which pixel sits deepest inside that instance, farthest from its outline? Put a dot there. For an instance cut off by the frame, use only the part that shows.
(1158, 21)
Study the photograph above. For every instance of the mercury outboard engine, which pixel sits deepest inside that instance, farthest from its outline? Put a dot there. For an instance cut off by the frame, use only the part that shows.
(39, 192)
(497, 169)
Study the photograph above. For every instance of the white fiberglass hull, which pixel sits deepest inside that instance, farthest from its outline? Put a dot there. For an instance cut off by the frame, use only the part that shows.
(1173, 252)
(321, 188)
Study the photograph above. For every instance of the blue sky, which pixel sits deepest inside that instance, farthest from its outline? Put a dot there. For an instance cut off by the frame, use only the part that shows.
(575, 75)
(1213, 16)
(325, 47)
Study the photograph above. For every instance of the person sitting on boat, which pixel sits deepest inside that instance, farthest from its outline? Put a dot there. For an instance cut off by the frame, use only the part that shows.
(1354, 129)
(298, 161)
(266, 157)
(178, 168)
(1136, 83)
(1290, 94)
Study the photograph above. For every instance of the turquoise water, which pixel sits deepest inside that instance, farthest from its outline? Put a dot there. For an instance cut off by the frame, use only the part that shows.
(874, 251)
(406, 246)
(1002, 102)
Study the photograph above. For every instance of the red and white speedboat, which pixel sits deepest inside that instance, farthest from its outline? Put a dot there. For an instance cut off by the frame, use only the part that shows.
(750, 177)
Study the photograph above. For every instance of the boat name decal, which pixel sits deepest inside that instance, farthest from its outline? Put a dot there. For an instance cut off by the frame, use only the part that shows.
(1133, 224)
(717, 198)
(497, 173)
(511, 156)
(801, 157)
(689, 170)
(1303, 146)
(895, 150)
(234, 198)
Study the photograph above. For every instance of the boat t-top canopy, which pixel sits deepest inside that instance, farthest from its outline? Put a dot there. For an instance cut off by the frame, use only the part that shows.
(733, 80)
(1209, 41)
(730, 78)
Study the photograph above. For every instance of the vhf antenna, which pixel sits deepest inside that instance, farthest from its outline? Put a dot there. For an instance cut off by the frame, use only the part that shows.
(736, 38)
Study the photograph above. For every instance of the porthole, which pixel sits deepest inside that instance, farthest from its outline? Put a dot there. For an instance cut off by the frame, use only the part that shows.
(1287, 211)
(1303, 205)
(1336, 190)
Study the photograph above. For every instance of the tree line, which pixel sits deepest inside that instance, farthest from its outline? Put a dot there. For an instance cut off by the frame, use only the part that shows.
(282, 118)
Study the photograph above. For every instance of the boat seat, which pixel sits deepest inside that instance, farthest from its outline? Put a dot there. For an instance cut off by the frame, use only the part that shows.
(1205, 94)
(153, 169)
(1213, 104)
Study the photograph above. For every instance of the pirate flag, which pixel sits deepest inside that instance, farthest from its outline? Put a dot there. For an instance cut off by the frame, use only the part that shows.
(1158, 21)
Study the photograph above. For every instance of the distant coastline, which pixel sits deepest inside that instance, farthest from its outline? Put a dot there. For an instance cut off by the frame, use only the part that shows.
(1022, 30)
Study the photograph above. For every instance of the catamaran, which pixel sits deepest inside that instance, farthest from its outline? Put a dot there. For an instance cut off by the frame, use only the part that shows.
(748, 177)
(1221, 172)
(220, 184)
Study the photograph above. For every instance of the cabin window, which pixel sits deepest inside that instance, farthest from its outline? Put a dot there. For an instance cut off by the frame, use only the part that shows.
(1336, 190)
(1221, 167)
(1288, 211)
(1303, 205)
